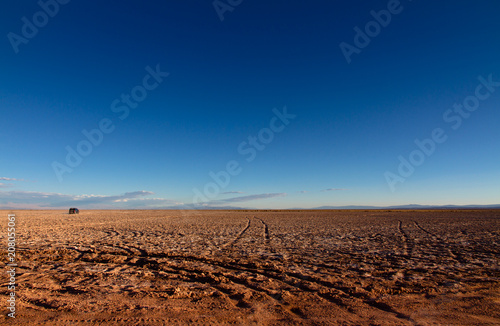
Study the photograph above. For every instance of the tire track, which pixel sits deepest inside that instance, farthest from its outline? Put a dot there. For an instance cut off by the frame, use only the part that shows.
(214, 281)
(105, 321)
(424, 230)
(408, 243)
(142, 252)
(111, 233)
(265, 230)
(132, 250)
(239, 235)
(340, 296)
(343, 297)
(453, 253)
(211, 278)
(81, 252)
(137, 234)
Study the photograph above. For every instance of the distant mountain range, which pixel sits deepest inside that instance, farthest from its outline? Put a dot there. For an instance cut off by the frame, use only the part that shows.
(414, 206)
(410, 206)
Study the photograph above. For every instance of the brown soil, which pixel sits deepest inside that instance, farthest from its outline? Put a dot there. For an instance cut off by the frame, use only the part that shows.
(255, 268)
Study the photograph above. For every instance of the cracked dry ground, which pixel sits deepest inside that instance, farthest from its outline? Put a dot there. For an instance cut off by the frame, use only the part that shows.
(256, 268)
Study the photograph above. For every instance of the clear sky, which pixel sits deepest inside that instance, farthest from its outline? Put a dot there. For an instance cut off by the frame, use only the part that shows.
(259, 104)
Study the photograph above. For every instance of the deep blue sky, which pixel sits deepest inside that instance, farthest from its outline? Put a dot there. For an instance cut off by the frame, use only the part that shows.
(352, 120)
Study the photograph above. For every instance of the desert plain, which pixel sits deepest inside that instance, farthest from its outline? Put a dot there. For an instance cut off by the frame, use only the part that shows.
(342, 267)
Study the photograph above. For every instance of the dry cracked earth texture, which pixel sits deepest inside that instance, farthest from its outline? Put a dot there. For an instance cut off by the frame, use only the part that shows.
(374, 267)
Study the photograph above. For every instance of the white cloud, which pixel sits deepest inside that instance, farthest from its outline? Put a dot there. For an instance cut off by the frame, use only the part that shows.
(334, 189)
(250, 198)
(11, 179)
(46, 200)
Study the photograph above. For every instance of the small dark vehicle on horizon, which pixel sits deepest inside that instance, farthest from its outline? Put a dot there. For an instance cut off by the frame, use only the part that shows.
(74, 211)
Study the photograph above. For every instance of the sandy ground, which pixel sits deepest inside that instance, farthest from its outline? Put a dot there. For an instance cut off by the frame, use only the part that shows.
(254, 268)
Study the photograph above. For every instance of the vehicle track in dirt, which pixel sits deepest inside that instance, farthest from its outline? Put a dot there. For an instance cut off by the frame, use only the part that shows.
(265, 230)
(334, 294)
(239, 235)
(424, 230)
(404, 238)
